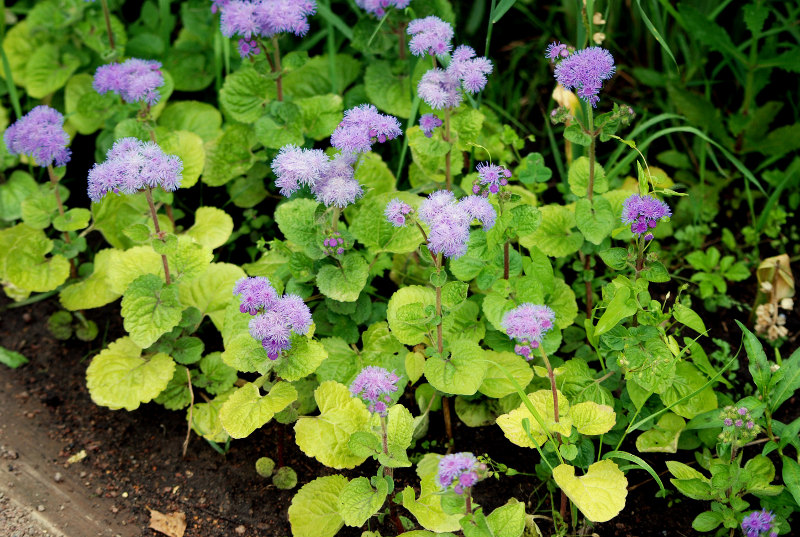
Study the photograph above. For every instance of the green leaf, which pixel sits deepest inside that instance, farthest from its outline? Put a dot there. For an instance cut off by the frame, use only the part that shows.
(462, 373)
(150, 308)
(371, 228)
(791, 477)
(229, 155)
(314, 76)
(453, 294)
(707, 521)
(495, 383)
(599, 494)
(574, 133)
(176, 395)
(591, 418)
(246, 94)
(301, 360)
(376, 177)
(651, 364)
(320, 114)
(211, 228)
(595, 219)
(297, 220)
(387, 87)
(95, 291)
(11, 358)
(346, 282)
(533, 170)
(24, 262)
(187, 350)
(205, 419)
(555, 236)
(114, 214)
(247, 410)
(119, 377)
(48, 70)
(578, 178)
(197, 117)
(663, 438)
(688, 379)
(787, 383)
(314, 511)
(620, 307)
(615, 258)
(188, 146)
(358, 501)
(542, 401)
(507, 520)
(19, 187)
(273, 131)
(758, 365)
(655, 272)
(408, 331)
(325, 437)
(688, 317)
(708, 32)
(427, 509)
(695, 488)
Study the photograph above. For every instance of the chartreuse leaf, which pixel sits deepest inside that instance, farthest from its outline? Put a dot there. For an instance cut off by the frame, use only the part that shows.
(119, 377)
(495, 383)
(406, 313)
(125, 266)
(94, 291)
(229, 155)
(115, 214)
(205, 419)
(301, 360)
(11, 358)
(247, 410)
(599, 494)
(242, 351)
(371, 228)
(23, 260)
(297, 220)
(427, 509)
(211, 291)
(188, 146)
(344, 282)
(150, 308)
(462, 373)
(197, 117)
(211, 228)
(189, 260)
(591, 418)
(325, 437)
(72, 220)
(245, 95)
(542, 401)
(663, 438)
(13, 192)
(507, 520)
(578, 177)
(358, 501)
(321, 115)
(595, 219)
(48, 70)
(555, 236)
(399, 432)
(315, 508)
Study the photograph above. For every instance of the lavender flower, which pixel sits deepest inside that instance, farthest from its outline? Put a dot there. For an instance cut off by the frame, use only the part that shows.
(431, 35)
(759, 524)
(296, 167)
(134, 80)
(374, 385)
(248, 48)
(396, 212)
(643, 213)
(470, 70)
(39, 134)
(480, 209)
(264, 18)
(459, 470)
(132, 165)
(361, 126)
(584, 71)
(449, 221)
(527, 324)
(556, 51)
(428, 123)
(439, 89)
(492, 177)
(379, 7)
(337, 185)
(274, 318)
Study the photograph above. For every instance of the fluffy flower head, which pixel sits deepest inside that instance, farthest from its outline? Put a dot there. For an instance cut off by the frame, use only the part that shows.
(379, 7)
(39, 134)
(439, 89)
(374, 385)
(396, 212)
(361, 127)
(264, 18)
(492, 177)
(527, 324)
(469, 69)
(556, 51)
(296, 167)
(460, 471)
(449, 221)
(759, 524)
(643, 213)
(428, 123)
(134, 80)
(584, 71)
(430, 35)
(337, 185)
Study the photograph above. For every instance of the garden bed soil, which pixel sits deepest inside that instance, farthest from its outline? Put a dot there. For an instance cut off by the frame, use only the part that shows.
(133, 460)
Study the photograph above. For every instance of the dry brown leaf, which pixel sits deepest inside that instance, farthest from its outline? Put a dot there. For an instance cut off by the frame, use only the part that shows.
(172, 525)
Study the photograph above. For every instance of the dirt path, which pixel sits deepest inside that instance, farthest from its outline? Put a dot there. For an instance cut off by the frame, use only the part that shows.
(41, 493)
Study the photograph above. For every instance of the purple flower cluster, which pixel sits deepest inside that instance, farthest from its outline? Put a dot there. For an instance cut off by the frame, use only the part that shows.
(332, 181)
(759, 524)
(556, 51)
(428, 123)
(459, 470)
(134, 80)
(527, 324)
(449, 221)
(275, 318)
(361, 127)
(334, 244)
(430, 35)
(374, 385)
(39, 134)
(379, 7)
(264, 18)
(643, 213)
(396, 212)
(248, 47)
(439, 88)
(584, 71)
(491, 177)
(132, 165)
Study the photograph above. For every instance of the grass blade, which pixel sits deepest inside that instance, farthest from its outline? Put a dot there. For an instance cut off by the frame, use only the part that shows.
(326, 13)
(656, 34)
(638, 463)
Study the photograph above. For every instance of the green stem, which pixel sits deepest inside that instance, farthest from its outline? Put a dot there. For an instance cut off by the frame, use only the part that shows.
(149, 194)
(335, 219)
(553, 388)
(277, 67)
(590, 121)
(446, 138)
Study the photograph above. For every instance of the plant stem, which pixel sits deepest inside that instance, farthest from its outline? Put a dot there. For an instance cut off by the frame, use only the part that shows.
(439, 341)
(552, 383)
(468, 498)
(401, 32)
(276, 67)
(505, 259)
(590, 121)
(390, 472)
(335, 219)
(73, 270)
(191, 410)
(107, 16)
(446, 138)
(149, 193)
(587, 265)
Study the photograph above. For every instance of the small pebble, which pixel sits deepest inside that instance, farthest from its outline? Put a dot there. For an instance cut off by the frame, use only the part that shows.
(240, 530)
(40, 508)
(58, 478)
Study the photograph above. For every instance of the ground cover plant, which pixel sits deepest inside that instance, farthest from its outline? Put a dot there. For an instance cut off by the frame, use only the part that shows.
(370, 224)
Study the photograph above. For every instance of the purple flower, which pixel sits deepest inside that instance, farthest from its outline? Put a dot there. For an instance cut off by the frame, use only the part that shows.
(374, 385)
(275, 318)
(449, 221)
(361, 126)
(337, 185)
(759, 524)
(471, 71)
(480, 209)
(492, 176)
(431, 35)
(134, 80)
(39, 134)
(296, 167)
(439, 89)
(379, 7)
(264, 18)
(428, 123)
(459, 470)
(742, 411)
(584, 71)
(396, 212)
(556, 51)
(132, 165)
(527, 324)
(643, 213)
(728, 422)
(248, 48)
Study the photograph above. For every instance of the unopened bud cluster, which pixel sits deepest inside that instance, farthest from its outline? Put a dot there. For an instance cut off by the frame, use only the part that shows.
(334, 244)
(740, 428)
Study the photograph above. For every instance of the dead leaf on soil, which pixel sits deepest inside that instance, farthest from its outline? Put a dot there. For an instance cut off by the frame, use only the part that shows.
(172, 525)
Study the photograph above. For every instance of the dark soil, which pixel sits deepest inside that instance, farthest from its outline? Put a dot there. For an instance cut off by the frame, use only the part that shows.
(135, 457)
